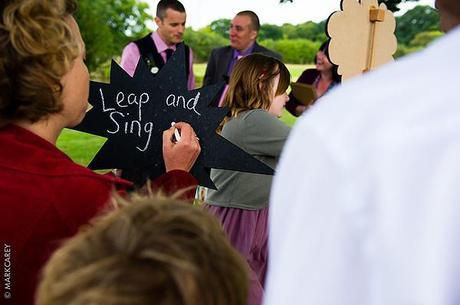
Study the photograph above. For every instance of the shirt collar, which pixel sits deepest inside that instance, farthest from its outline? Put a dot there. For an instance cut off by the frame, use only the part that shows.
(160, 44)
(244, 52)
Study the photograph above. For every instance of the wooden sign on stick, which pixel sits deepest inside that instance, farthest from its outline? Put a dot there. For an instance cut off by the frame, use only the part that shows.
(362, 37)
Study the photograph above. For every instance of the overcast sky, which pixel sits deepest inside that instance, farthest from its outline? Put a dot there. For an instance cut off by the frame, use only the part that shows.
(201, 12)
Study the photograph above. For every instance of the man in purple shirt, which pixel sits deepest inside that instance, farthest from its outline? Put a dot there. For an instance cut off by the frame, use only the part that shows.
(243, 35)
(156, 48)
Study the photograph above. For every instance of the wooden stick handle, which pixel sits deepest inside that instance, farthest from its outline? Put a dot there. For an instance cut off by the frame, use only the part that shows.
(375, 15)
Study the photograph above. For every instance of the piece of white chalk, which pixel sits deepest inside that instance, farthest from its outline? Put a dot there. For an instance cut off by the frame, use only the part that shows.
(176, 132)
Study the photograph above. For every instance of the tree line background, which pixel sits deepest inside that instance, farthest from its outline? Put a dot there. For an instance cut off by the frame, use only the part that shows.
(108, 25)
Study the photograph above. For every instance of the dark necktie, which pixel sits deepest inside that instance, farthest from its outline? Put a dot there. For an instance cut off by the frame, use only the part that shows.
(169, 53)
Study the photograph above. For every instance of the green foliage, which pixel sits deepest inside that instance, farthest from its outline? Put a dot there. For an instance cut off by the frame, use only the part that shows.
(421, 18)
(107, 25)
(420, 41)
(424, 38)
(221, 27)
(311, 30)
(270, 31)
(308, 30)
(321, 32)
(289, 31)
(202, 42)
(392, 5)
(405, 50)
(294, 51)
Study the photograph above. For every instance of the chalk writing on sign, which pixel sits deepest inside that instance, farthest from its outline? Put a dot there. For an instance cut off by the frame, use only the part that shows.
(180, 102)
(122, 121)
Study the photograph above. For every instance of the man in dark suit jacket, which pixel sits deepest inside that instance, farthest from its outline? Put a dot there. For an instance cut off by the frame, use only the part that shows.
(243, 34)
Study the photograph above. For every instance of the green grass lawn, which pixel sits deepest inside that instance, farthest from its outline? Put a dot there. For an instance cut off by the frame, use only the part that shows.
(82, 147)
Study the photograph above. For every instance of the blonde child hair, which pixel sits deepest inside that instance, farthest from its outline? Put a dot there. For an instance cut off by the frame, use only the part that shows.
(251, 83)
(150, 251)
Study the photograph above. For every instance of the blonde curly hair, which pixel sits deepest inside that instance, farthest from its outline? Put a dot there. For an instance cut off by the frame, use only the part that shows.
(37, 47)
(149, 251)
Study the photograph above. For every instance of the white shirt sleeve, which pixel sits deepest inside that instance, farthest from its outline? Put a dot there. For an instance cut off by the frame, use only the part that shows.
(311, 243)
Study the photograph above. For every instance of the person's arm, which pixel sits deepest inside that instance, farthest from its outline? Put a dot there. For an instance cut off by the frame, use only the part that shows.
(294, 106)
(129, 58)
(179, 157)
(210, 69)
(176, 182)
(191, 75)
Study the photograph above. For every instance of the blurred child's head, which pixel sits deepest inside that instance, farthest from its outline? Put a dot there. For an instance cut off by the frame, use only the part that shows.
(151, 251)
(255, 82)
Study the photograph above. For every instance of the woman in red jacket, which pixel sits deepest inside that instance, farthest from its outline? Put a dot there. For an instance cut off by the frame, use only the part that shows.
(44, 196)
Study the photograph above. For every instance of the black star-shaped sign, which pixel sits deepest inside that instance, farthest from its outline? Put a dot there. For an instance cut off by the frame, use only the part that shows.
(133, 112)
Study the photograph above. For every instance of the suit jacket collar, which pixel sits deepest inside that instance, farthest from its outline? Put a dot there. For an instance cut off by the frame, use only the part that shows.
(257, 48)
(226, 58)
(227, 55)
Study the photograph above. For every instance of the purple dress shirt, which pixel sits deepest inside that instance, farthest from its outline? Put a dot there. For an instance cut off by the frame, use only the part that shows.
(236, 55)
(131, 56)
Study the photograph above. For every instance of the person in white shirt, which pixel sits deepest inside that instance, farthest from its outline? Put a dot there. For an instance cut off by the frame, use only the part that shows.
(370, 212)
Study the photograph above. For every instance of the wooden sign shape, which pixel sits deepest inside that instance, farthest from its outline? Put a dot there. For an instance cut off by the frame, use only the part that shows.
(362, 37)
(132, 113)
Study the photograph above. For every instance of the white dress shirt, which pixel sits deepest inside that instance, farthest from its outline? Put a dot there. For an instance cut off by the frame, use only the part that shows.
(365, 207)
